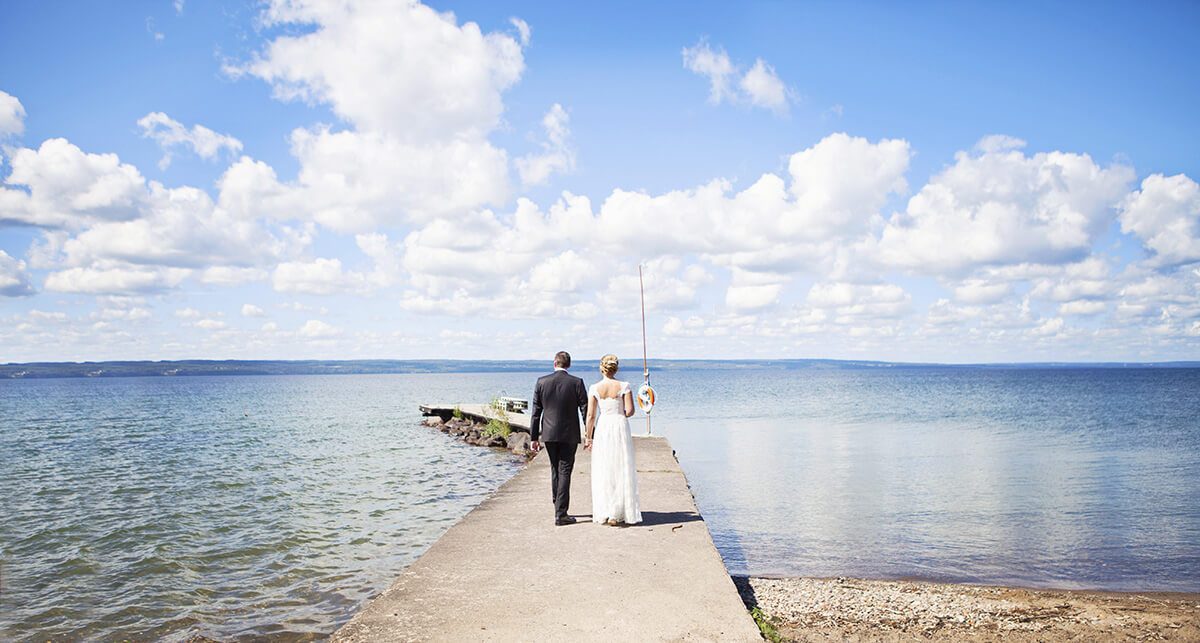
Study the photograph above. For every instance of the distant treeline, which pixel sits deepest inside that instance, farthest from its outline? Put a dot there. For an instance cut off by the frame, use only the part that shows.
(387, 366)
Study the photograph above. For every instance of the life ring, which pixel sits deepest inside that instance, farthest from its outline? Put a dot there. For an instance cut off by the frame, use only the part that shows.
(645, 397)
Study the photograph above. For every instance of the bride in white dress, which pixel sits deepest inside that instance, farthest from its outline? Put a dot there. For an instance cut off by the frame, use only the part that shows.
(614, 472)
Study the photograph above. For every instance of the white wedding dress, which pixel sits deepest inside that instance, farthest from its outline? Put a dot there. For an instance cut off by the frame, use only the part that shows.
(614, 472)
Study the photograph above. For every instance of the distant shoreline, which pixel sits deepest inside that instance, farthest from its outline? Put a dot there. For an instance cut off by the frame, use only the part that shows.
(184, 368)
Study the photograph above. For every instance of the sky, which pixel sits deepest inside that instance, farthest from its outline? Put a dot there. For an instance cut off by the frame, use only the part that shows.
(311, 179)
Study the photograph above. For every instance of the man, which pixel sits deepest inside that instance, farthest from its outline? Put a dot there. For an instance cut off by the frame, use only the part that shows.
(558, 401)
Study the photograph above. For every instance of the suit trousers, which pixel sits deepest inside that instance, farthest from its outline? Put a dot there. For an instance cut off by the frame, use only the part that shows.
(562, 463)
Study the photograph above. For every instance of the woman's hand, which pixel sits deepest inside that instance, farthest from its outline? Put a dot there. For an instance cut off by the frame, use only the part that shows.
(587, 444)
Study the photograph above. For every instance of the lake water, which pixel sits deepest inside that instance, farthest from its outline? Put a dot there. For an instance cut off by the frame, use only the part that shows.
(248, 506)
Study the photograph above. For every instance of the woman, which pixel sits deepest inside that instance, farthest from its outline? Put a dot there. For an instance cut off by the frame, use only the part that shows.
(614, 472)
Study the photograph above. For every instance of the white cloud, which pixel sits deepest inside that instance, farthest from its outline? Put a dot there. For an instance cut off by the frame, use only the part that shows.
(188, 313)
(421, 93)
(1082, 307)
(557, 155)
(135, 313)
(170, 133)
(752, 297)
(1087, 279)
(358, 181)
(12, 116)
(1052, 326)
(713, 64)
(999, 206)
(317, 329)
(318, 277)
(210, 324)
(14, 280)
(762, 87)
(1165, 214)
(115, 279)
(182, 227)
(67, 187)
(109, 231)
(250, 310)
(523, 30)
(759, 86)
(848, 300)
(568, 272)
(397, 67)
(231, 276)
(981, 291)
(764, 233)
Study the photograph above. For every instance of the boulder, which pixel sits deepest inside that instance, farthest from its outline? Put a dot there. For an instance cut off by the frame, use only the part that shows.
(518, 443)
(434, 421)
(495, 441)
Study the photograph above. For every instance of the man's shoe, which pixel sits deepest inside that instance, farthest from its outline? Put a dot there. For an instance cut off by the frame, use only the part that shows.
(559, 522)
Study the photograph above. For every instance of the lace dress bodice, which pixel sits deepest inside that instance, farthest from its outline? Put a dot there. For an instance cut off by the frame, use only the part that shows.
(610, 405)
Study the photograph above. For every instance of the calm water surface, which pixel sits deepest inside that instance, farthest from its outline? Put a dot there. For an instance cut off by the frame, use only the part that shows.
(248, 506)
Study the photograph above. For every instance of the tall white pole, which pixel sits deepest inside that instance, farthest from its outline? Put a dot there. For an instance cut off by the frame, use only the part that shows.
(645, 362)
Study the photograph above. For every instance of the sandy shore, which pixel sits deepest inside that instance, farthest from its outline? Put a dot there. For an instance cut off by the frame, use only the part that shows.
(844, 609)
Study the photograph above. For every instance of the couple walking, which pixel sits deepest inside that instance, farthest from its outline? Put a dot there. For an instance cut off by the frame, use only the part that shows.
(558, 401)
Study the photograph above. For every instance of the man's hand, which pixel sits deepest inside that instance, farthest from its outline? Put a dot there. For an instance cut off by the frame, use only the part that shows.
(587, 444)
(535, 446)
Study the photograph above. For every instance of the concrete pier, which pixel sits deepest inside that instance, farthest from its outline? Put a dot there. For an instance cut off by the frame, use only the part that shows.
(506, 573)
(481, 412)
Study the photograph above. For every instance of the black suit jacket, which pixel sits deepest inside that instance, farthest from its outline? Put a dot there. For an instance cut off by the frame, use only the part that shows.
(558, 400)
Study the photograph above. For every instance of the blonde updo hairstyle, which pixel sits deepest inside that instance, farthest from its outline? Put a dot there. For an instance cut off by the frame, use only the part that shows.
(609, 365)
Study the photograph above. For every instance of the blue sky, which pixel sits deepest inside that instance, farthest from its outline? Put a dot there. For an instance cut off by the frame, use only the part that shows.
(932, 182)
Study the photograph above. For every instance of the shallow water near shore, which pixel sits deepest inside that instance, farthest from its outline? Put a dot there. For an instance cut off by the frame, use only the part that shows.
(243, 506)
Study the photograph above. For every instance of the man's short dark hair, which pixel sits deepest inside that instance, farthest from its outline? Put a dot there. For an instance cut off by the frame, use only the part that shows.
(562, 359)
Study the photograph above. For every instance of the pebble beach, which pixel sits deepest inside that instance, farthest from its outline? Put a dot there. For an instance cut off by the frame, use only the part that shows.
(848, 609)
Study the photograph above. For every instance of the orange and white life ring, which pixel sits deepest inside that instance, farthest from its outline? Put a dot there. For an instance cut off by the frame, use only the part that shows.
(645, 397)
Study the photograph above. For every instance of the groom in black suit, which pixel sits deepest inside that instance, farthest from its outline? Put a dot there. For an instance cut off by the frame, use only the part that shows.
(558, 401)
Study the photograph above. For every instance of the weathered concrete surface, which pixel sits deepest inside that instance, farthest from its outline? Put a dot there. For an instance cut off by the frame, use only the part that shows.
(484, 412)
(506, 573)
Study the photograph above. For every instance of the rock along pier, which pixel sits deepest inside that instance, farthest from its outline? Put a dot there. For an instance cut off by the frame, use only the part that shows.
(506, 573)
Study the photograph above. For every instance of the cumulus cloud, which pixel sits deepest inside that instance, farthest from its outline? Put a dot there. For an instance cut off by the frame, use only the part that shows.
(762, 87)
(1165, 215)
(60, 185)
(557, 155)
(318, 277)
(12, 116)
(715, 65)
(998, 206)
(759, 86)
(14, 280)
(981, 291)
(181, 227)
(231, 275)
(108, 230)
(848, 300)
(171, 134)
(317, 329)
(420, 92)
(210, 324)
(523, 30)
(115, 279)
(1082, 307)
(769, 230)
(250, 310)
